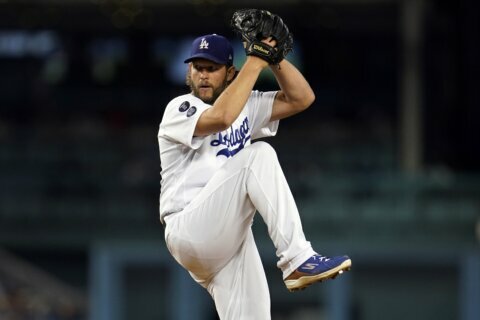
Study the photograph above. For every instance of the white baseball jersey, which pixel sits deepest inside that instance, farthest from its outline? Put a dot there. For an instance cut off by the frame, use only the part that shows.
(188, 162)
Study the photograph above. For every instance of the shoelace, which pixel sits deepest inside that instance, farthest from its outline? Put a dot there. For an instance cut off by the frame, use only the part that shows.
(320, 258)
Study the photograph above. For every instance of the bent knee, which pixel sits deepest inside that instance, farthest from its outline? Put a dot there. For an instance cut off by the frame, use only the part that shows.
(263, 148)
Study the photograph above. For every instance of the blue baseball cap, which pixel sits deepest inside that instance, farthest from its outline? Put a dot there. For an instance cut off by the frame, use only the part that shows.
(212, 47)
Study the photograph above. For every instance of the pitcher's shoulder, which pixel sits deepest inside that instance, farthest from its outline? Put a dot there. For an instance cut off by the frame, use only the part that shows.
(183, 102)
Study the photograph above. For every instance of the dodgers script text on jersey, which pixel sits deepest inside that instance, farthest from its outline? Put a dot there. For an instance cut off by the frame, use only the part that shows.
(236, 138)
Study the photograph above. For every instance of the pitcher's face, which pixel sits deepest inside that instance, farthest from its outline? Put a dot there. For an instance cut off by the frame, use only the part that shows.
(207, 79)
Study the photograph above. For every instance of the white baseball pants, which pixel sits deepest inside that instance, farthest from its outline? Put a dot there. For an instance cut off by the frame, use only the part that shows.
(212, 236)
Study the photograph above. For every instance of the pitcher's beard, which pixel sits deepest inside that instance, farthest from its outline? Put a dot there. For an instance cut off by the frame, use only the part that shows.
(216, 93)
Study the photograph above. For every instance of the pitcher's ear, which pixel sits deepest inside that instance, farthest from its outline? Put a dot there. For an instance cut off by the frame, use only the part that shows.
(231, 73)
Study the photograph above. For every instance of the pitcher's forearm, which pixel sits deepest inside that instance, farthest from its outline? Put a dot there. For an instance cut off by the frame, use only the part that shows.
(293, 84)
(231, 102)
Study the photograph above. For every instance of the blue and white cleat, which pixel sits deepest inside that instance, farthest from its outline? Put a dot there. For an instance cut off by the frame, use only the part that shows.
(317, 269)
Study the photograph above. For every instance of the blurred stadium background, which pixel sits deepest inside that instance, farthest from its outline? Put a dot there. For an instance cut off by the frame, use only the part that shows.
(385, 166)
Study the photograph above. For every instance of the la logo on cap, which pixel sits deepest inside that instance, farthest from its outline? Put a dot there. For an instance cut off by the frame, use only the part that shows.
(203, 44)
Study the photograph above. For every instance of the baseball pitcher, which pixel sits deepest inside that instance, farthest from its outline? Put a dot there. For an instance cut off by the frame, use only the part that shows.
(214, 178)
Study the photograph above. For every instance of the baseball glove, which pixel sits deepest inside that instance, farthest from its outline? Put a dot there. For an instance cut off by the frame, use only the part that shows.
(254, 25)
